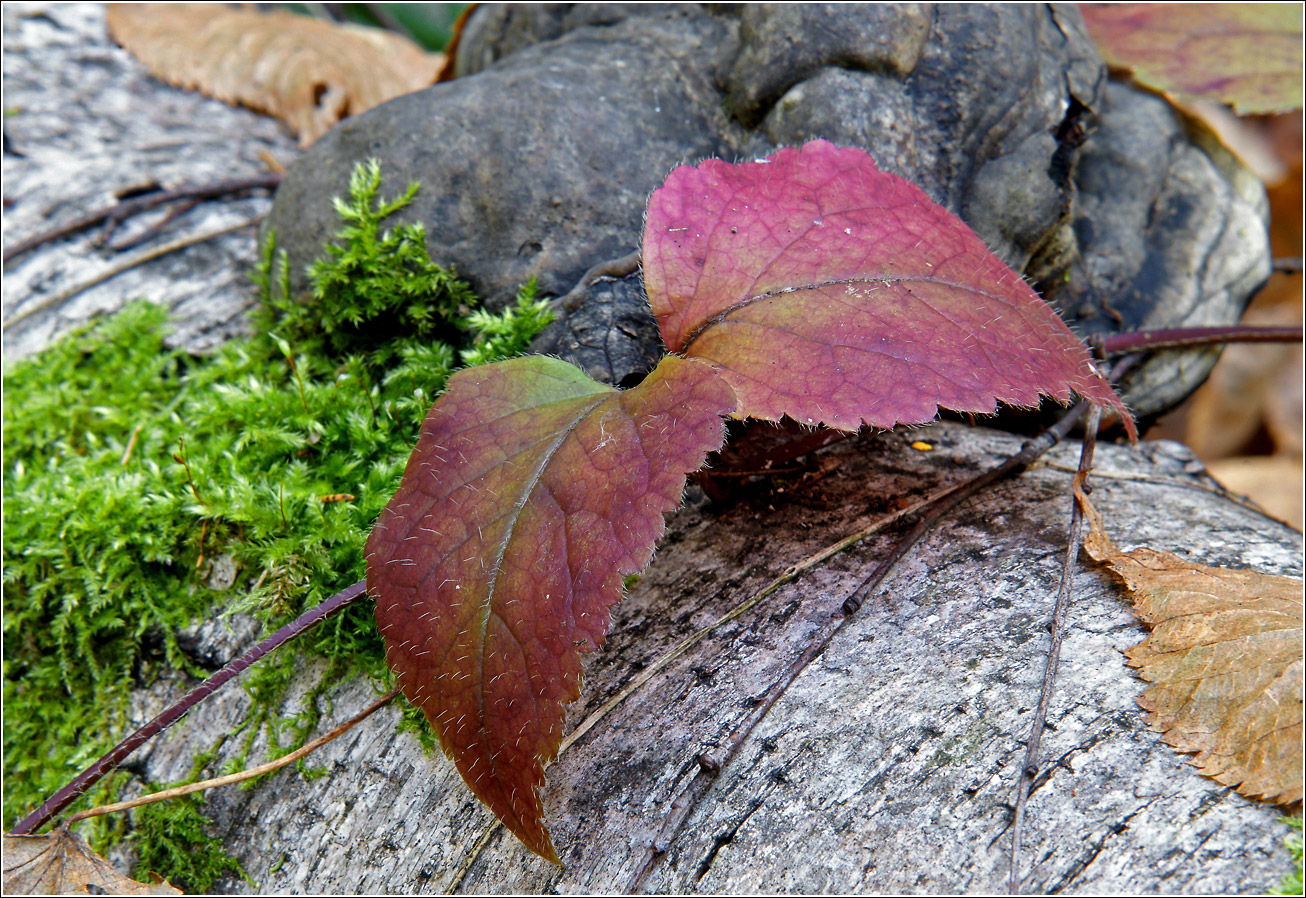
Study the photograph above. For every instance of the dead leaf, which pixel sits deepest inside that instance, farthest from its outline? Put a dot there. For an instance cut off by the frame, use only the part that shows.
(61, 863)
(1252, 384)
(306, 72)
(1274, 482)
(1224, 660)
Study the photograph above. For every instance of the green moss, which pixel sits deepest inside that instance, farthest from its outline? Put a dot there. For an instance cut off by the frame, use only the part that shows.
(172, 836)
(129, 467)
(1292, 883)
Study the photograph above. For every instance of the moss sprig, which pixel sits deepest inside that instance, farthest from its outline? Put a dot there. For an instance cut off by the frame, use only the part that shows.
(135, 472)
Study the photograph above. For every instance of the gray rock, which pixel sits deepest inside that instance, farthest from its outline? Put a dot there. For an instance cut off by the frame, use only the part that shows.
(963, 100)
(539, 166)
(1170, 233)
(538, 160)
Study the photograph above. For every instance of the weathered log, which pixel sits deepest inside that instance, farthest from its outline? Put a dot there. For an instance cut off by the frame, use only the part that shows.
(890, 764)
(85, 123)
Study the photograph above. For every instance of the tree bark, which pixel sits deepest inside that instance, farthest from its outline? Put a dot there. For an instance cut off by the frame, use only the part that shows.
(889, 765)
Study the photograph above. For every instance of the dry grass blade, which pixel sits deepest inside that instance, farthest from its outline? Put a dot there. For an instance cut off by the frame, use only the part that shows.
(308, 73)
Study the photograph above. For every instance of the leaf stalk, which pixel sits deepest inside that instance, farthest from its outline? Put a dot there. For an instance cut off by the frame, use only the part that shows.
(93, 774)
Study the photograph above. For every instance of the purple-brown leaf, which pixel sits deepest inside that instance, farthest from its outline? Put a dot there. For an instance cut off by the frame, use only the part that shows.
(532, 491)
(832, 292)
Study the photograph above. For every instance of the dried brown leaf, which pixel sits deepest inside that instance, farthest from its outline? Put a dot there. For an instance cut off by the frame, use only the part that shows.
(1274, 482)
(308, 73)
(1224, 660)
(61, 863)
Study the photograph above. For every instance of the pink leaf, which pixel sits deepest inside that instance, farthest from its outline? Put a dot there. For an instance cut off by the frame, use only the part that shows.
(531, 492)
(832, 292)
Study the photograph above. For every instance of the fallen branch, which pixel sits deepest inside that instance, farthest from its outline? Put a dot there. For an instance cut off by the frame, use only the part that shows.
(126, 208)
(56, 299)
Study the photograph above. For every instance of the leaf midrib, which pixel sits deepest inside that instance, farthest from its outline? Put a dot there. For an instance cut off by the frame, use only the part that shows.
(720, 317)
(487, 605)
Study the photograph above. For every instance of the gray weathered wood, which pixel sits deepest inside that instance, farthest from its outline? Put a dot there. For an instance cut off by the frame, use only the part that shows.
(888, 766)
(83, 121)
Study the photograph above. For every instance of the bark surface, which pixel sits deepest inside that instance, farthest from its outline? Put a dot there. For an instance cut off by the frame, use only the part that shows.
(84, 124)
(889, 765)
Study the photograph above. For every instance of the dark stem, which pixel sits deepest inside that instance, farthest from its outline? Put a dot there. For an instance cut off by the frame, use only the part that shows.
(1183, 337)
(1287, 264)
(118, 211)
(1029, 769)
(93, 774)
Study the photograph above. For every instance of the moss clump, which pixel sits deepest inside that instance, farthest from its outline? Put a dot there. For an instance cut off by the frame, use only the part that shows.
(1292, 883)
(129, 467)
(172, 836)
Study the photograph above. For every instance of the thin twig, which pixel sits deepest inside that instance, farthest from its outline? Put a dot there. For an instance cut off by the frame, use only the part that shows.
(1185, 337)
(149, 233)
(472, 855)
(613, 268)
(1029, 769)
(124, 209)
(789, 575)
(1013, 465)
(93, 774)
(231, 778)
(113, 271)
(710, 765)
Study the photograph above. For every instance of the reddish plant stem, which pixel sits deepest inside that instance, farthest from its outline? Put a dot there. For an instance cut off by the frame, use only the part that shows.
(93, 774)
(118, 211)
(1183, 337)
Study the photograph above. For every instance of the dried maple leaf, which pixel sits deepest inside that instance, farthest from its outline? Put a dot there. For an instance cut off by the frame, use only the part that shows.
(532, 491)
(61, 863)
(1245, 54)
(308, 73)
(835, 293)
(1224, 660)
